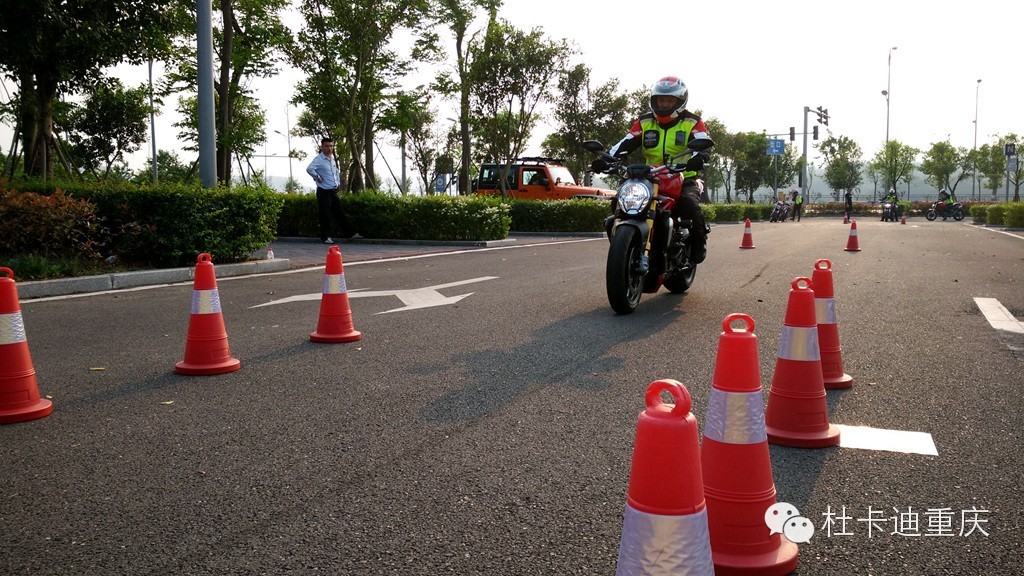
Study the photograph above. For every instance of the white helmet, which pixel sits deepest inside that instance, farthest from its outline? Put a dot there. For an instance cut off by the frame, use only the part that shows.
(669, 86)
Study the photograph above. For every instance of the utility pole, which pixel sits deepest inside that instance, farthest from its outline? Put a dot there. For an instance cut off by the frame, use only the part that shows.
(207, 132)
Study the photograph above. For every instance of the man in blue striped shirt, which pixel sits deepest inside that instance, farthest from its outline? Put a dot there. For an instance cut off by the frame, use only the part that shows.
(325, 172)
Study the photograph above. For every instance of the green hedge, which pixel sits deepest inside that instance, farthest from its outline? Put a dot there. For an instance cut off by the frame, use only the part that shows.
(979, 213)
(994, 214)
(1014, 215)
(170, 224)
(377, 215)
(578, 215)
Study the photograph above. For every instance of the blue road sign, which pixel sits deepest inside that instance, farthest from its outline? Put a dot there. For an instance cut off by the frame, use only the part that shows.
(776, 147)
(440, 182)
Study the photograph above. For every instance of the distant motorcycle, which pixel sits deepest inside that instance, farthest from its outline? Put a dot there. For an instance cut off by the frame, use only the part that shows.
(890, 212)
(956, 210)
(780, 212)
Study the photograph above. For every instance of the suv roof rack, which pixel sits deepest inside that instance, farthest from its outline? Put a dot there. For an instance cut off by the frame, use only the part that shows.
(540, 159)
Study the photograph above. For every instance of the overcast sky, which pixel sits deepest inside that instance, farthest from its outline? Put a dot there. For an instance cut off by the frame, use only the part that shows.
(755, 66)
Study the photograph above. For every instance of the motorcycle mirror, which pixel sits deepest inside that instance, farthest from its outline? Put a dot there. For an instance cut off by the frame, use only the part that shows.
(593, 146)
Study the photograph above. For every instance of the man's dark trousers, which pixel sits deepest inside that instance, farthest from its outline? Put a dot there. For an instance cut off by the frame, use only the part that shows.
(328, 204)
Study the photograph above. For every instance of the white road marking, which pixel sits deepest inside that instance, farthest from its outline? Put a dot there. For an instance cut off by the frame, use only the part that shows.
(998, 316)
(867, 438)
(416, 298)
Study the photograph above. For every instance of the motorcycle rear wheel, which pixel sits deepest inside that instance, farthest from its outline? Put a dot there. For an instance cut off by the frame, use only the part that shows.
(682, 280)
(623, 280)
(931, 215)
(958, 214)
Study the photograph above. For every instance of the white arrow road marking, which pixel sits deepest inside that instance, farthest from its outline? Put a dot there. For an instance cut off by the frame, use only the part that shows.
(867, 438)
(998, 316)
(413, 299)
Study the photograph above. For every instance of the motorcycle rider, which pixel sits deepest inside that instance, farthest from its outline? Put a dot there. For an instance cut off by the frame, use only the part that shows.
(890, 198)
(662, 134)
(945, 201)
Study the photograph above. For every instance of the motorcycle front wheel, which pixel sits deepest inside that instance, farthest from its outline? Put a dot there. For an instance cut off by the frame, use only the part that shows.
(931, 215)
(623, 279)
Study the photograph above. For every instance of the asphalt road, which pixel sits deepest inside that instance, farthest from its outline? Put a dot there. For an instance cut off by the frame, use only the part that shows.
(493, 434)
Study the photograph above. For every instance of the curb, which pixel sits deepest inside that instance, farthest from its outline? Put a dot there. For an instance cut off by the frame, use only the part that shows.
(121, 280)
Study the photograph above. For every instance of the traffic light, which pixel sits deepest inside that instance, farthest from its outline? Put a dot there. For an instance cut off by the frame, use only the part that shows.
(823, 115)
(814, 132)
(792, 133)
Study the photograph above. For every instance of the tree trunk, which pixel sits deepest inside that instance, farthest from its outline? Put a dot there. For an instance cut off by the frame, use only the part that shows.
(371, 180)
(464, 187)
(224, 94)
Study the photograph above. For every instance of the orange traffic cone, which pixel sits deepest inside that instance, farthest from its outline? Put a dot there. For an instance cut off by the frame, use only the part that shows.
(19, 394)
(748, 236)
(665, 530)
(903, 219)
(738, 484)
(846, 219)
(335, 323)
(206, 347)
(797, 414)
(852, 244)
(828, 328)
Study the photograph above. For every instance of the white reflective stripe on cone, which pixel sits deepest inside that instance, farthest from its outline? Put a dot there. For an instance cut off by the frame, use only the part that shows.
(853, 232)
(736, 417)
(656, 545)
(334, 283)
(799, 343)
(12, 329)
(205, 302)
(825, 310)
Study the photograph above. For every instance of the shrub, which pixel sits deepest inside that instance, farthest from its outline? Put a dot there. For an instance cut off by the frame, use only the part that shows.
(1014, 215)
(995, 214)
(576, 215)
(978, 213)
(169, 224)
(729, 212)
(52, 225)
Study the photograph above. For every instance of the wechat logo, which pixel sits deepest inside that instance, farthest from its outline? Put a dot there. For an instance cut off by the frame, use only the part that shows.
(784, 518)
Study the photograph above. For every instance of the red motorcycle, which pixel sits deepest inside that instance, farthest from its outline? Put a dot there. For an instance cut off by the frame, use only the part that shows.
(649, 247)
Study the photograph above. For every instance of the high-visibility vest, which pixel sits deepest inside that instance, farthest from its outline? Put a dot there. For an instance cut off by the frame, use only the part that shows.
(660, 144)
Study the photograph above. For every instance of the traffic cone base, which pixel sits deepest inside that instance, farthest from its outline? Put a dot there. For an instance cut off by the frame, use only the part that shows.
(206, 346)
(19, 392)
(335, 322)
(804, 440)
(748, 236)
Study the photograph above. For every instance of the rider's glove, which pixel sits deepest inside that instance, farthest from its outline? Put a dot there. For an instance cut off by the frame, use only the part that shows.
(696, 162)
(599, 165)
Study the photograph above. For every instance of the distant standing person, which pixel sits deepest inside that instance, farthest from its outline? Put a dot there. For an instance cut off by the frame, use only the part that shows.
(849, 203)
(798, 205)
(325, 173)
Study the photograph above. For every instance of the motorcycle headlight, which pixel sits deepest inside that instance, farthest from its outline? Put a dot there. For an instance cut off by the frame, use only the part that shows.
(634, 196)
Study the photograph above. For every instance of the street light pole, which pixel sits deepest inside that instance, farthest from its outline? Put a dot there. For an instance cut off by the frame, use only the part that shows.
(974, 164)
(888, 91)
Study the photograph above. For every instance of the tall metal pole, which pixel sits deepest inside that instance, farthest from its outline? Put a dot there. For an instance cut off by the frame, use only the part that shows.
(152, 123)
(974, 164)
(803, 169)
(288, 128)
(888, 92)
(207, 132)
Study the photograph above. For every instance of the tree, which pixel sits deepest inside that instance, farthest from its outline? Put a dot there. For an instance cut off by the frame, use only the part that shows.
(54, 47)
(344, 52)
(512, 73)
(110, 124)
(582, 113)
(895, 162)
(992, 165)
(719, 171)
(459, 14)
(753, 166)
(170, 169)
(250, 42)
(843, 164)
(411, 118)
(946, 166)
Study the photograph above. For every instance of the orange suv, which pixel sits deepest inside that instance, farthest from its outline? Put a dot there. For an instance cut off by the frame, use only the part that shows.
(536, 178)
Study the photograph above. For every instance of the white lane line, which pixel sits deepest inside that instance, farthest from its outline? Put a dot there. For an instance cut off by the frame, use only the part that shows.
(998, 316)
(867, 438)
